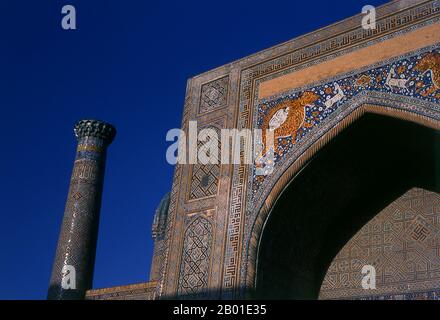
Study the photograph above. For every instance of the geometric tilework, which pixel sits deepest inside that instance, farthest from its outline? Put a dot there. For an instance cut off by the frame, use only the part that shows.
(402, 242)
(194, 270)
(205, 177)
(204, 181)
(214, 95)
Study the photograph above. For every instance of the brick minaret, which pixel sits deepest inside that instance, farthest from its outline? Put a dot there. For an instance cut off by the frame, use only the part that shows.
(77, 241)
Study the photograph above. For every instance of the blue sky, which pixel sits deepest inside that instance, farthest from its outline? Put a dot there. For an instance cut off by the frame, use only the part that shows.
(127, 63)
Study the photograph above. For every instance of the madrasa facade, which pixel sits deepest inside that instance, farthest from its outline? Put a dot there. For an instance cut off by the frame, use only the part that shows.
(355, 181)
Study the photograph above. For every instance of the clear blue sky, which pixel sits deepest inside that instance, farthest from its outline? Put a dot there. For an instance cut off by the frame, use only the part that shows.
(127, 63)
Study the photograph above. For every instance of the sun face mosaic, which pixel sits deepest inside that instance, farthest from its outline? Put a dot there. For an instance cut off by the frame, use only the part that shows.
(292, 115)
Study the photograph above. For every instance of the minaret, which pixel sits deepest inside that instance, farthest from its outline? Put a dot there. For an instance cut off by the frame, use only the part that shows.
(72, 272)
